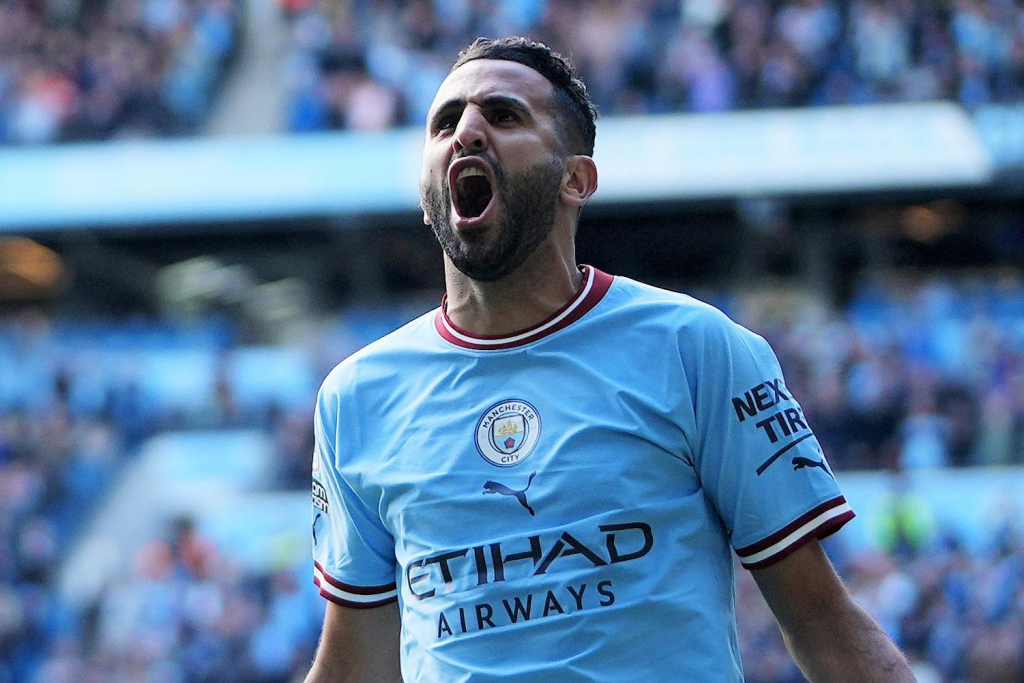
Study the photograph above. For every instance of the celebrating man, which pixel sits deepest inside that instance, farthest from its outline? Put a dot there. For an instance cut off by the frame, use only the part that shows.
(546, 478)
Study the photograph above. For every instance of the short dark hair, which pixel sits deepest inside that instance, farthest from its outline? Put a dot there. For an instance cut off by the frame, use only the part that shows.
(572, 103)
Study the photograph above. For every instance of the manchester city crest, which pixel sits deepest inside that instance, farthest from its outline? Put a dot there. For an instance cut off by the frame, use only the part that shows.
(507, 432)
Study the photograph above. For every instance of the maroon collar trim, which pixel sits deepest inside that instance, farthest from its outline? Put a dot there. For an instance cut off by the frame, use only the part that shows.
(595, 285)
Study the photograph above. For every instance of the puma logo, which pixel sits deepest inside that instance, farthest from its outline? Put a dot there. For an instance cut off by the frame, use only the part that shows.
(498, 487)
(315, 520)
(800, 462)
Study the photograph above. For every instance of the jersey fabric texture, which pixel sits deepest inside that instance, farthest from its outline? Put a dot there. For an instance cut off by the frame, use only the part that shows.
(562, 504)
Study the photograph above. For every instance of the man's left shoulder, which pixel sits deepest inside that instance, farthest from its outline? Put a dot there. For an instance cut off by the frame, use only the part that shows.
(668, 307)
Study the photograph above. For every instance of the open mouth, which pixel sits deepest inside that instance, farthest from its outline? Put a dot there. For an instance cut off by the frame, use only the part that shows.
(471, 189)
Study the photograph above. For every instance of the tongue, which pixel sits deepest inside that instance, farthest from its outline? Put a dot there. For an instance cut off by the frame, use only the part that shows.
(474, 194)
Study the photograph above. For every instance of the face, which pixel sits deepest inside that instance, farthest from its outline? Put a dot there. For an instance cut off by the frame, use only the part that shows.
(492, 167)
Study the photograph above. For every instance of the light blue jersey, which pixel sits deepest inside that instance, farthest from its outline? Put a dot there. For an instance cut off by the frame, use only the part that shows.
(562, 504)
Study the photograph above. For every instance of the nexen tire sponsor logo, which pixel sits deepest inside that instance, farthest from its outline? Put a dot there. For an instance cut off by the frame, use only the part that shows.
(495, 563)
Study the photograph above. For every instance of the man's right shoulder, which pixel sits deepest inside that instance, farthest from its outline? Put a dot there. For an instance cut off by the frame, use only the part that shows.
(386, 359)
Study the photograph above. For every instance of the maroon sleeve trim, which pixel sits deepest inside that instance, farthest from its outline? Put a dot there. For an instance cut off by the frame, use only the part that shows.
(785, 531)
(354, 605)
(825, 530)
(355, 590)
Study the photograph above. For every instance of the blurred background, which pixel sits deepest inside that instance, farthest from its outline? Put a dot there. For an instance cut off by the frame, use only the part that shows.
(206, 204)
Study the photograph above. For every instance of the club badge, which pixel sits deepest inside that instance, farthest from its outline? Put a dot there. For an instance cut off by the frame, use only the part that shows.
(507, 432)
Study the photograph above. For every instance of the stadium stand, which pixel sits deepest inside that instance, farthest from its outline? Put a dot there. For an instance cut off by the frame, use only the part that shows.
(354, 66)
(113, 69)
(144, 69)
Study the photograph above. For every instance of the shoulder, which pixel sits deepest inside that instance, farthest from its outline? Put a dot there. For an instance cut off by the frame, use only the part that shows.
(697, 322)
(383, 359)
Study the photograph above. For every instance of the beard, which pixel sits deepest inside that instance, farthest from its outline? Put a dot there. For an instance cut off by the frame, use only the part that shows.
(529, 200)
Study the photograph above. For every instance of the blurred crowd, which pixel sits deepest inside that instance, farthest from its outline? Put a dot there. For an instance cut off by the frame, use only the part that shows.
(911, 376)
(180, 613)
(957, 615)
(100, 69)
(185, 614)
(123, 68)
(904, 377)
(53, 467)
(371, 65)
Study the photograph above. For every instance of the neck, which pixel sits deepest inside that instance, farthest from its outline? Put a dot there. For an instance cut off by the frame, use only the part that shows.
(526, 297)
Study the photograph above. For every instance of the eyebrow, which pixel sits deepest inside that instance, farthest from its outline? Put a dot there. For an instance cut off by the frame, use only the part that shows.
(488, 102)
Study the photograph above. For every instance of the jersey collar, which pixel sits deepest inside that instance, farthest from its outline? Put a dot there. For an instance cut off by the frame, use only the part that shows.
(591, 291)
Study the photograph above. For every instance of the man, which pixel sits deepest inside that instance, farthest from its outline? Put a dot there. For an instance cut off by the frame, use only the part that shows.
(545, 479)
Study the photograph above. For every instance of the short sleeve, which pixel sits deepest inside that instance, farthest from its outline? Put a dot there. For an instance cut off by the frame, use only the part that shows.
(756, 456)
(353, 554)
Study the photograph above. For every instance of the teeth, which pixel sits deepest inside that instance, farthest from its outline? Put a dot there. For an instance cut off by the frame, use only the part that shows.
(470, 172)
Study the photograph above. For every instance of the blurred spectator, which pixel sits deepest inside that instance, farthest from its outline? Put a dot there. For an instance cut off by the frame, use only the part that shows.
(905, 524)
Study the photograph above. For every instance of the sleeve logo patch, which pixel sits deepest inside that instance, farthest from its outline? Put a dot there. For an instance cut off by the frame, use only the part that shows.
(783, 427)
(760, 398)
(320, 498)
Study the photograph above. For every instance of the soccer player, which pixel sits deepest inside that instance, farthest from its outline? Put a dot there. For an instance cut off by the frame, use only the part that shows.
(545, 479)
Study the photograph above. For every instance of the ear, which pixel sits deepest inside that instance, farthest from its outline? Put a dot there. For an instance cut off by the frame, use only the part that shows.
(426, 218)
(579, 181)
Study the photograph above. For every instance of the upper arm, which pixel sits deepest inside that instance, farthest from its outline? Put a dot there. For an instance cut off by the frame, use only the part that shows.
(353, 560)
(353, 552)
(802, 588)
(358, 646)
(754, 451)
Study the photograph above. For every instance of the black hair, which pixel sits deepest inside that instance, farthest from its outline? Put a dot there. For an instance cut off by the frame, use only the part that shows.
(572, 103)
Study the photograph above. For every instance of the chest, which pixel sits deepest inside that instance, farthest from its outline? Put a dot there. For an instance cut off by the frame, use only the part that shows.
(473, 454)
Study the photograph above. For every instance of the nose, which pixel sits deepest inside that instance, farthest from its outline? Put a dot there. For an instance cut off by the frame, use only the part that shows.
(471, 133)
